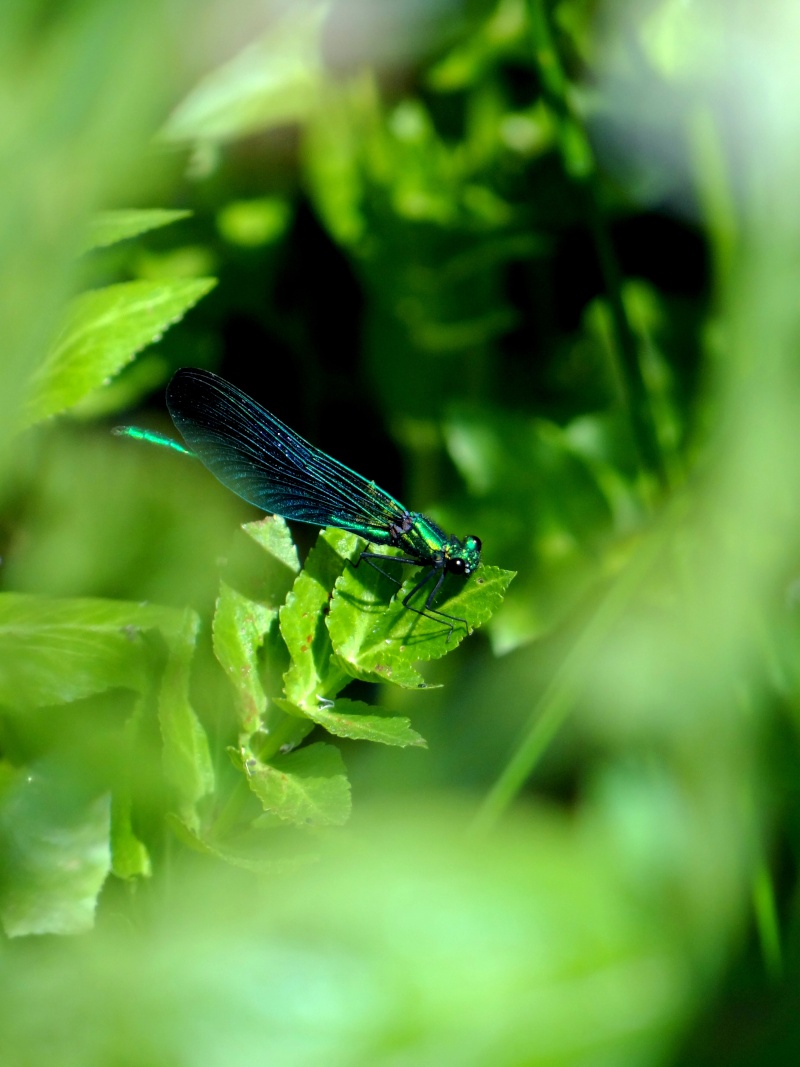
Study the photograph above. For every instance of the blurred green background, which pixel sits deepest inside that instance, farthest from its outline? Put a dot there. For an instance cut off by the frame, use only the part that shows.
(533, 266)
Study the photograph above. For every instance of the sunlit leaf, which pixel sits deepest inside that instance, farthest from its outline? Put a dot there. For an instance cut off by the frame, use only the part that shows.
(307, 787)
(314, 671)
(104, 330)
(358, 722)
(382, 640)
(251, 223)
(239, 627)
(274, 536)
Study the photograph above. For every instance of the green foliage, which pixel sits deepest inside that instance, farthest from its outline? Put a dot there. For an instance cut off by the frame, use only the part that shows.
(108, 227)
(62, 652)
(356, 927)
(104, 330)
(305, 788)
(533, 267)
(58, 860)
(55, 655)
(352, 719)
(272, 81)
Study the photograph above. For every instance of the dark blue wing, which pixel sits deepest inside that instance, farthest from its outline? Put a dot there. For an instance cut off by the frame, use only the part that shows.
(261, 460)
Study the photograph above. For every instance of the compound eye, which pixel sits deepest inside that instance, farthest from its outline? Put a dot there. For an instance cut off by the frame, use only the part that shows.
(457, 566)
(476, 542)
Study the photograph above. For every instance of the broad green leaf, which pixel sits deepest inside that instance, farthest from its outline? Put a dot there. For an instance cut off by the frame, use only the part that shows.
(77, 119)
(108, 227)
(307, 787)
(187, 761)
(356, 720)
(56, 651)
(274, 81)
(57, 856)
(476, 599)
(238, 628)
(104, 330)
(375, 638)
(314, 670)
(259, 571)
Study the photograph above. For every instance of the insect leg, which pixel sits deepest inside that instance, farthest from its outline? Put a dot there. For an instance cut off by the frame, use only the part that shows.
(428, 611)
(368, 557)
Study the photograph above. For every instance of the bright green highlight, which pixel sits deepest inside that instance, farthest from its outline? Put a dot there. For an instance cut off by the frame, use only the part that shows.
(252, 223)
(152, 437)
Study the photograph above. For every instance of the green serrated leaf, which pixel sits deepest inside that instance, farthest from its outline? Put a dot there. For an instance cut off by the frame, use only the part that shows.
(187, 761)
(104, 330)
(57, 857)
(307, 787)
(372, 638)
(128, 390)
(356, 720)
(356, 618)
(56, 651)
(239, 627)
(314, 670)
(475, 601)
(261, 565)
(108, 227)
(275, 537)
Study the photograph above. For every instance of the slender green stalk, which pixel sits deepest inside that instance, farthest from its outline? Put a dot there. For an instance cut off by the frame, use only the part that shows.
(767, 924)
(579, 163)
(557, 700)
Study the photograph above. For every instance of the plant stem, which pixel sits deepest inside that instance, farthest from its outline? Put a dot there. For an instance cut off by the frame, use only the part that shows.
(579, 164)
(558, 698)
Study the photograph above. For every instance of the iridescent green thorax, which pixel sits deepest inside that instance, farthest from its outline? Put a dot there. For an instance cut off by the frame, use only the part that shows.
(421, 537)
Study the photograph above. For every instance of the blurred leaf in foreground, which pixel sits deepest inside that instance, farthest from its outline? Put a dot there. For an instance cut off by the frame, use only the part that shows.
(56, 855)
(108, 227)
(56, 656)
(414, 943)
